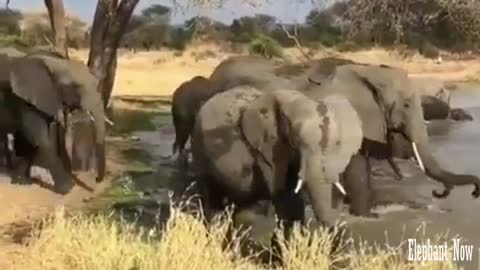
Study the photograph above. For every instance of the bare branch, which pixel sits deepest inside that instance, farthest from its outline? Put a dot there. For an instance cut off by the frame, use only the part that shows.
(295, 39)
(7, 2)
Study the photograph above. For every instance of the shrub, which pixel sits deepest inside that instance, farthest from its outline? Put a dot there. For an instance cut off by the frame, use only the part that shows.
(12, 41)
(429, 50)
(266, 47)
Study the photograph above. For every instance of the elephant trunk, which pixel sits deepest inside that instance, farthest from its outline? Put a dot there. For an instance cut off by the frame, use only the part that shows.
(98, 114)
(417, 132)
(319, 188)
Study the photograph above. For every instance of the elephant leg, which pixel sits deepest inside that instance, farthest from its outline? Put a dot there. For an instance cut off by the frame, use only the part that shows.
(211, 198)
(290, 209)
(9, 153)
(44, 137)
(255, 223)
(183, 129)
(26, 152)
(356, 179)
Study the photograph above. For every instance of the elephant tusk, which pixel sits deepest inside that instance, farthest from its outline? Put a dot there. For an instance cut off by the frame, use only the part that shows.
(417, 156)
(110, 122)
(299, 185)
(10, 140)
(426, 122)
(91, 116)
(340, 188)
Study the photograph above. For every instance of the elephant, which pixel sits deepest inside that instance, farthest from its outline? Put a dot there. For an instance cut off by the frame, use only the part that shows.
(186, 101)
(251, 146)
(387, 104)
(386, 101)
(38, 92)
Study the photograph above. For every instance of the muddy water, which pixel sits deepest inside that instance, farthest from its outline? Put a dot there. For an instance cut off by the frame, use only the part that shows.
(404, 206)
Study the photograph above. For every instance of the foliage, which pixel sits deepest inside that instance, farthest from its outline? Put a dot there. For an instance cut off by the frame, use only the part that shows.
(12, 41)
(444, 23)
(9, 21)
(266, 47)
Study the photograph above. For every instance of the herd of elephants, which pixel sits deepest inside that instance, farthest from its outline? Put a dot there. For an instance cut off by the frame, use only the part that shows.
(262, 133)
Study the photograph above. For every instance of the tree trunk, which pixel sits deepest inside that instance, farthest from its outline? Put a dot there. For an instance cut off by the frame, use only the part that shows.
(109, 24)
(56, 13)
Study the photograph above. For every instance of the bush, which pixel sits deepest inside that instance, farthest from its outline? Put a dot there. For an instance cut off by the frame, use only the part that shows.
(266, 47)
(429, 50)
(12, 41)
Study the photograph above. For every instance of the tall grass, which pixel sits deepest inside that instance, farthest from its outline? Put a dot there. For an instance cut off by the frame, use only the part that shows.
(98, 242)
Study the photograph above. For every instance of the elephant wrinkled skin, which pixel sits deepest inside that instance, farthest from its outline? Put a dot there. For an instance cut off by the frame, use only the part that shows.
(38, 92)
(250, 146)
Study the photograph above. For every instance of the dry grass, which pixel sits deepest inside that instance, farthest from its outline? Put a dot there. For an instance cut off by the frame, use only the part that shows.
(86, 242)
(161, 72)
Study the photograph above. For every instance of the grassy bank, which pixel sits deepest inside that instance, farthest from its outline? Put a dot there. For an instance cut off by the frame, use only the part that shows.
(98, 242)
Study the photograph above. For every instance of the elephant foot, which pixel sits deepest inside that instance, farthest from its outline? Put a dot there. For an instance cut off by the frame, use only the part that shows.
(64, 187)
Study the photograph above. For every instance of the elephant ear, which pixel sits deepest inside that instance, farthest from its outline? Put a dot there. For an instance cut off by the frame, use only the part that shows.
(31, 80)
(366, 87)
(258, 124)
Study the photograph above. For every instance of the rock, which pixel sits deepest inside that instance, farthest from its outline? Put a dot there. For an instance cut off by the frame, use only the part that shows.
(434, 108)
(459, 114)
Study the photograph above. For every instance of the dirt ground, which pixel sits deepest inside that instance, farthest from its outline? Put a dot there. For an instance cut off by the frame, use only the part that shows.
(159, 73)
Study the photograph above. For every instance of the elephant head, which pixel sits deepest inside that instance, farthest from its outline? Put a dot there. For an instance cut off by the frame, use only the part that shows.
(325, 134)
(58, 86)
(387, 102)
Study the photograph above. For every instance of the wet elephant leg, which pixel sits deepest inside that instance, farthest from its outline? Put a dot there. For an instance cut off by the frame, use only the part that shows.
(255, 223)
(211, 197)
(356, 179)
(183, 128)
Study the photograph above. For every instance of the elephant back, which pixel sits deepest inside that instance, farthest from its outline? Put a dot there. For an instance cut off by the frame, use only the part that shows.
(224, 108)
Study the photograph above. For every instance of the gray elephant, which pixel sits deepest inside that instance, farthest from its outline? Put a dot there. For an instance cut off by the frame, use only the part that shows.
(250, 147)
(383, 97)
(38, 92)
(186, 101)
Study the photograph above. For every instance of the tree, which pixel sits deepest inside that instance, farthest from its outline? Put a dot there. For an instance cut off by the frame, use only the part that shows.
(109, 24)
(56, 12)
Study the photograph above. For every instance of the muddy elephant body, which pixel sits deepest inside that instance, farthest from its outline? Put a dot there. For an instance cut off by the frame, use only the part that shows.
(251, 147)
(384, 98)
(38, 92)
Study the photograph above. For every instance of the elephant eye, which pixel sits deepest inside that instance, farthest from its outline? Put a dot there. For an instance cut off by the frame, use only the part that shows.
(406, 105)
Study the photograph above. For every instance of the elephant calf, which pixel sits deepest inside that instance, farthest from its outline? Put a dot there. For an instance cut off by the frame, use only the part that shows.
(250, 146)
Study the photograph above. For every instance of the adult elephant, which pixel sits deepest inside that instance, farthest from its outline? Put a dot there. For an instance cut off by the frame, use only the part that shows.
(38, 91)
(383, 96)
(387, 104)
(186, 102)
(250, 147)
